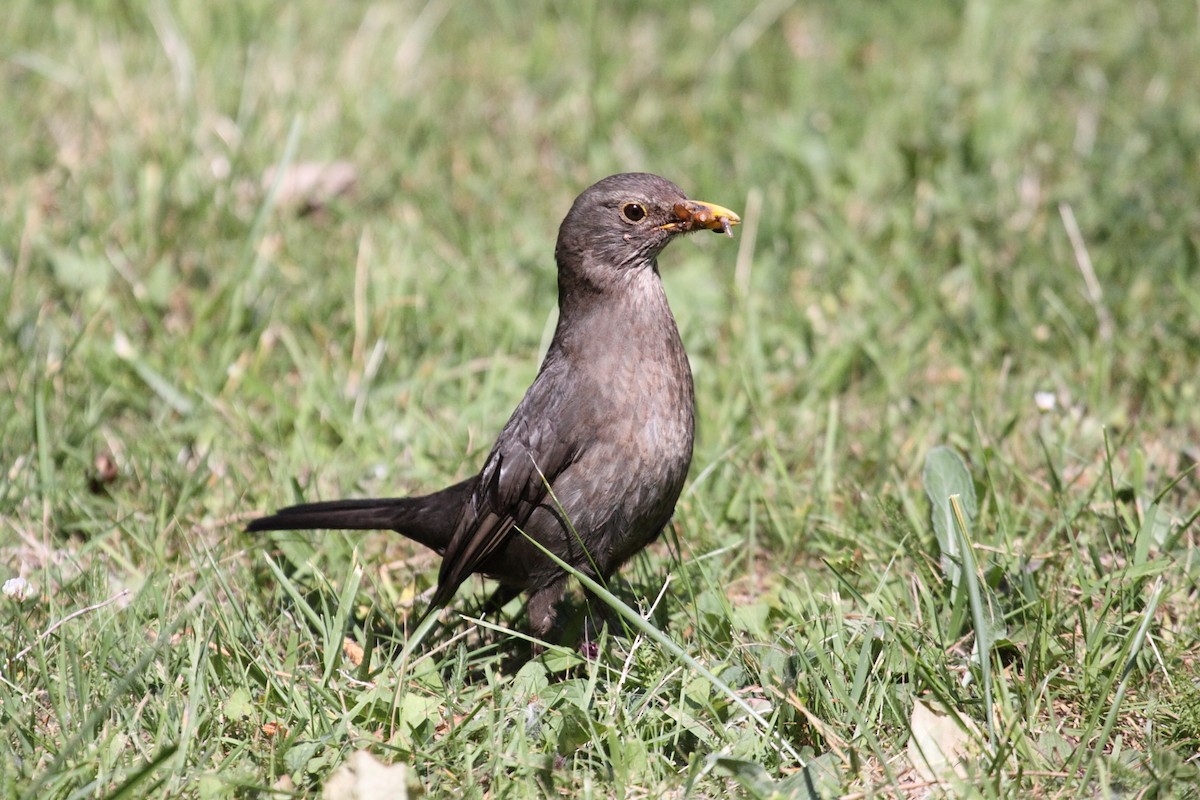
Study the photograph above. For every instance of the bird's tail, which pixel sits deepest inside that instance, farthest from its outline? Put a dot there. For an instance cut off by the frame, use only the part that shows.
(377, 514)
(430, 519)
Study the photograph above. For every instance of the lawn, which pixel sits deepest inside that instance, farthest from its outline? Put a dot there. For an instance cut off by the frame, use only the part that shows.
(940, 535)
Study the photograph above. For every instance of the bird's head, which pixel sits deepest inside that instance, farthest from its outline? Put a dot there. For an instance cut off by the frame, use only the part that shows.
(624, 221)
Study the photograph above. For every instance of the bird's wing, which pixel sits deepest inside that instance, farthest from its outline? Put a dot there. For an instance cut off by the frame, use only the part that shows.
(529, 455)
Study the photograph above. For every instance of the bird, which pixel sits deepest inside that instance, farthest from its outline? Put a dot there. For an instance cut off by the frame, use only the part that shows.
(593, 459)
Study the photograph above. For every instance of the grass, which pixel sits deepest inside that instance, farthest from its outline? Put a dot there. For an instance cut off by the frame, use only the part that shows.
(966, 225)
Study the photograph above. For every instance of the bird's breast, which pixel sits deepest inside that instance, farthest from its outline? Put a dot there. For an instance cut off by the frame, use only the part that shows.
(633, 380)
(641, 386)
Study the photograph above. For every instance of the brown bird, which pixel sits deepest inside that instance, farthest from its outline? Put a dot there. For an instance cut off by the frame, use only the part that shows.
(594, 457)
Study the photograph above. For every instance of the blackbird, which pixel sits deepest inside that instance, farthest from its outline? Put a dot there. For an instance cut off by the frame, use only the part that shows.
(593, 459)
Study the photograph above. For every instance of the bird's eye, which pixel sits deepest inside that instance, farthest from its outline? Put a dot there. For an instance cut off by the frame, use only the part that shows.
(634, 212)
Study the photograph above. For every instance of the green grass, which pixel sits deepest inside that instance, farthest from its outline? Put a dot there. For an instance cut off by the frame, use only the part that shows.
(927, 190)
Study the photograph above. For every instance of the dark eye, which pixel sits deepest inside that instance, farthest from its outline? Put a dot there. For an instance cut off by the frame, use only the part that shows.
(634, 212)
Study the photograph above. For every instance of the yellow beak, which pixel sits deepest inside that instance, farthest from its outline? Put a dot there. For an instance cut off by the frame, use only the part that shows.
(691, 215)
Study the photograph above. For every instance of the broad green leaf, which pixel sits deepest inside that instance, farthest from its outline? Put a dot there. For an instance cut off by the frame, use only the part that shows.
(945, 476)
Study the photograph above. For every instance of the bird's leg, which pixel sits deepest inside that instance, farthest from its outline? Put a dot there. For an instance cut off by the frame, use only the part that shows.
(542, 607)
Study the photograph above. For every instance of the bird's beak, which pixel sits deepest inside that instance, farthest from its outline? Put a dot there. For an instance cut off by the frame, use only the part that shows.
(691, 215)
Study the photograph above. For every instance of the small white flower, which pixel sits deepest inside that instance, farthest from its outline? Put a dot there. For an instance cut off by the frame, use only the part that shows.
(18, 588)
(1045, 401)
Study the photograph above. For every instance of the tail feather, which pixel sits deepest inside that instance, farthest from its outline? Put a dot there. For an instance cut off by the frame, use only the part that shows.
(341, 515)
(430, 519)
